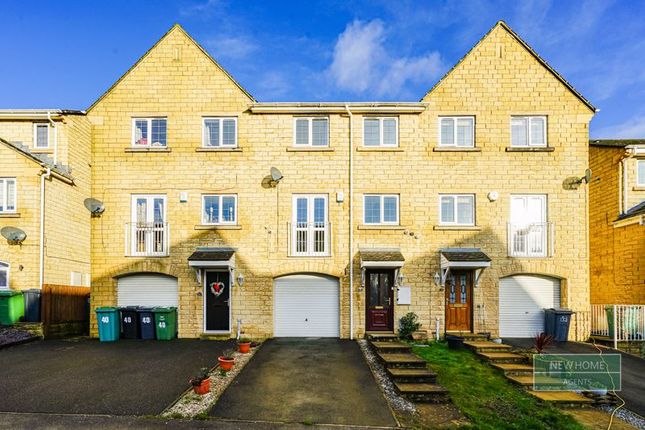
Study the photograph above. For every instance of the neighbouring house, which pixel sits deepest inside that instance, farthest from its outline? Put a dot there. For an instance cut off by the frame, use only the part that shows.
(333, 219)
(617, 230)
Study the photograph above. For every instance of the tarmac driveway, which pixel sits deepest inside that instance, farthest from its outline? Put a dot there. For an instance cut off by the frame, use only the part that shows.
(322, 381)
(128, 377)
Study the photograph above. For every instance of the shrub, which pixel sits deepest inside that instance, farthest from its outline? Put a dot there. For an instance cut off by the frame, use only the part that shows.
(196, 380)
(409, 324)
(541, 341)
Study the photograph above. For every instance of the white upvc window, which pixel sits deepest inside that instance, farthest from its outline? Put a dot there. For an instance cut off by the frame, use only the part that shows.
(457, 209)
(219, 132)
(310, 229)
(380, 131)
(457, 131)
(4, 275)
(8, 195)
(149, 132)
(219, 209)
(311, 131)
(528, 131)
(640, 173)
(381, 209)
(41, 135)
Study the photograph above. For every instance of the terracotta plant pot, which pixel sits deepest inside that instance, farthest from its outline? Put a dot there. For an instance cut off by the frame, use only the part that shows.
(203, 388)
(244, 347)
(225, 364)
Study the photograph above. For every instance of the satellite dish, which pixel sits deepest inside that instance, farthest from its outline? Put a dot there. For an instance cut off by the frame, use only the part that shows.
(14, 235)
(276, 175)
(95, 206)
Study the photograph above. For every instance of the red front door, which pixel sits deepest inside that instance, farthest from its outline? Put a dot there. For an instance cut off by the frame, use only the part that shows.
(380, 299)
(459, 301)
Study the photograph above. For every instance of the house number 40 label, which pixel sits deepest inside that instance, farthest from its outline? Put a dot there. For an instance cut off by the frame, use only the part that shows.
(146, 320)
(105, 320)
(162, 324)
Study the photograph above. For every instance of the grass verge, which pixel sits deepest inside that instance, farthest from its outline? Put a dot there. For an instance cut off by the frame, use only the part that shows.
(486, 397)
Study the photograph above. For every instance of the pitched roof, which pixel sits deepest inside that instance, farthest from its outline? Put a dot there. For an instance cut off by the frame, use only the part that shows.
(385, 254)
(465, 255)
(212, 254)
(616, 143)
(531, 51)
(639, 209)
(180, 28)
(41, 159)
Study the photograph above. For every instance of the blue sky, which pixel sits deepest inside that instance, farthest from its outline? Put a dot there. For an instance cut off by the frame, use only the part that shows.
(66, 54)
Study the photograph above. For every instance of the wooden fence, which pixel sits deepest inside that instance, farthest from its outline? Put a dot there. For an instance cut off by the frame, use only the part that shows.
(63, 303)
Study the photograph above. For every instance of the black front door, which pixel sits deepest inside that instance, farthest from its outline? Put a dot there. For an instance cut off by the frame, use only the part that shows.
(217, 298)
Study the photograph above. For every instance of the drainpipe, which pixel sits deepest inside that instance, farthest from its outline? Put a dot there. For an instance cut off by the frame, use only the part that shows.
(351, 225)
(43, 176)
(53, 124)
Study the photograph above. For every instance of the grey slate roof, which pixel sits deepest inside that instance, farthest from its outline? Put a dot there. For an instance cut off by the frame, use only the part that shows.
(214, 254)
(616, 143)
(384, 254)
(41, 159)
(461, 255)
(639, 209)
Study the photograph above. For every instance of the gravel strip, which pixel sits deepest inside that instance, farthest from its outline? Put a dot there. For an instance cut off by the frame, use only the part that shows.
(11, 335)
(626, 415)
(190, 404)
(396, 402)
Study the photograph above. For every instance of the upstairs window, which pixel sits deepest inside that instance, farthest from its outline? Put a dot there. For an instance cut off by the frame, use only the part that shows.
(380, 132)
(527, 131)
(219, 209)
(640, 175)
(7, 195)
(220, 133)
(4, 275)
(381, 209)
(457, 131)
(149, 132)
(457, 209)
(311, 131)
(41, 136)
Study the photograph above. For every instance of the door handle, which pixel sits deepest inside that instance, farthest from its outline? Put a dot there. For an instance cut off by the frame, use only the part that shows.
(389, 301)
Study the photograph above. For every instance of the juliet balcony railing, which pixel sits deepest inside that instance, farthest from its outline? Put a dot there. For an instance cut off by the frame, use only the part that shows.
(147, 239)
(309, 239)
(530, 239)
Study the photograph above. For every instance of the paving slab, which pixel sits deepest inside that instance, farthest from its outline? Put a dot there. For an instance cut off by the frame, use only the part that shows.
(321, 381)
(127, 377)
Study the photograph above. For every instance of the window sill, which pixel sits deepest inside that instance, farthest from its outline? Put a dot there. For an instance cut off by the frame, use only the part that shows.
(42, 151)
(10, 215)
(531, 149)
(217, 227)
(639, 188)
(378, 149)
(147, 150)
(457, 227)
(380, 227)
(310, 149)
(455, 149)
(218, 150)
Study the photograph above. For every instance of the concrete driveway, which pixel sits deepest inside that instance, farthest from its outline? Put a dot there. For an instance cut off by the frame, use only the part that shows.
(321, 381)
(128, 377)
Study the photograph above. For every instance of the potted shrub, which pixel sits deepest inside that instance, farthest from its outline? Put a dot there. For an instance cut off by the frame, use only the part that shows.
(244, 345)
(201, 382)
(227, 360)
(408, 325)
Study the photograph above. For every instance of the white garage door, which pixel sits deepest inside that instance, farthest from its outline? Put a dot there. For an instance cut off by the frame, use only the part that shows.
(147, 289)
(306, 306)
(522, 299)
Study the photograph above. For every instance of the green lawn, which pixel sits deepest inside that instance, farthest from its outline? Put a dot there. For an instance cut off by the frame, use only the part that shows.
(484, 395)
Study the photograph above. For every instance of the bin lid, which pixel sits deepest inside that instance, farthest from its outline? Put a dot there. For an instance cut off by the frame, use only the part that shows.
(9, 293)
(164, 309)
(561, 310)
(128, 308)
(144, 309)
(107, 309)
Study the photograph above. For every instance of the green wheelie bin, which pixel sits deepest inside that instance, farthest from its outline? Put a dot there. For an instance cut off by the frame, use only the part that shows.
(109, 323)
(165, 322)
(12, 306)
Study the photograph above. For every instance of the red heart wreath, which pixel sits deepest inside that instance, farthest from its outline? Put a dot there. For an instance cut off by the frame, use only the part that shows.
(217, 288)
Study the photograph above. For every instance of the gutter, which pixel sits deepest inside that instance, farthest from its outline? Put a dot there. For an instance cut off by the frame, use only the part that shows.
(415, 108)
(43, 176)
(351, 224)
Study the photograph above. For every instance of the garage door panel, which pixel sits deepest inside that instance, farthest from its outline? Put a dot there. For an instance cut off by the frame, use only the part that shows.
(306, 306)
(522, 299)
(150, 289)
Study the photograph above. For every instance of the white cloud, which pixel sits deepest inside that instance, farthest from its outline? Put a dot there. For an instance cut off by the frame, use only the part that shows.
(235, 47)
(362, 63)
(273, 85)
(633, 128)
(202, 9)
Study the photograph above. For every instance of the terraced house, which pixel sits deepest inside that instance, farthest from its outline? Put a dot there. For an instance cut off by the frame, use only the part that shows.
(333, 219)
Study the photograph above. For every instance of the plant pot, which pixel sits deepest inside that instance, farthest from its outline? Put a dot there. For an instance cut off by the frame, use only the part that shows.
(497, 340)
(455, 342)
(244, 347)
(225, 364)
(203, 388)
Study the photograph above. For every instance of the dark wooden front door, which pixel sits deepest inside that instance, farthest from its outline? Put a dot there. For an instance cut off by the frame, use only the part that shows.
(380, 300)
(459, 301)
(217, 295)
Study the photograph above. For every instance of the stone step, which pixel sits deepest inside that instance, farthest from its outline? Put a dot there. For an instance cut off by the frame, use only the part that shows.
(382, 336)
(562, 398)
(502, 357)
(515, 369)
(412, 375)
(390, 347)
(468, 336)
(422, 392)
(527, 380)
(401, 360)
(486, 346)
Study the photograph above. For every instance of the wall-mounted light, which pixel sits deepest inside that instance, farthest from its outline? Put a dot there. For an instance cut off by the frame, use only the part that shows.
(240, 279)
(437, 280)
(399, 278)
